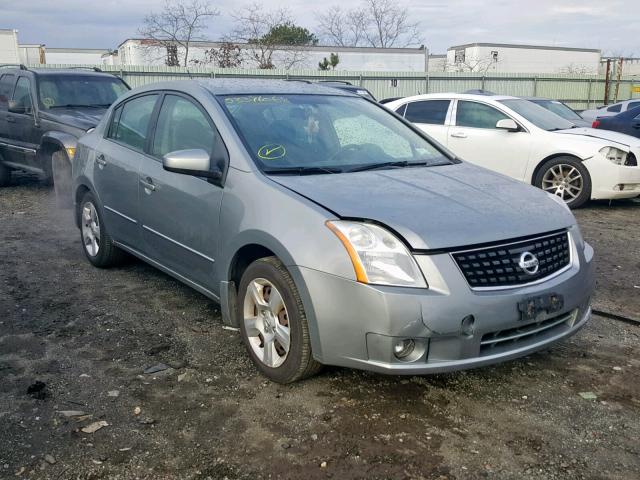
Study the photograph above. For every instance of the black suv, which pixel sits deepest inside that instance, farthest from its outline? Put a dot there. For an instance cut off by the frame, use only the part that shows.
(43, 112)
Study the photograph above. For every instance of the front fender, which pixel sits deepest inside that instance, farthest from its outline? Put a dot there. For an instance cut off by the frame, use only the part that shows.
(63, 140)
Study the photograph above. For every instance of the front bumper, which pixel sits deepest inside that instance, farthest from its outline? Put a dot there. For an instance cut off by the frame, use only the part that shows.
(355, 325)
(606, 179)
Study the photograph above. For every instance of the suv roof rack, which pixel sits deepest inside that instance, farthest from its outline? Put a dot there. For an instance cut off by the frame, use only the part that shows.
(14, 65)
(95, 69)
(335, 81)
(298, 80)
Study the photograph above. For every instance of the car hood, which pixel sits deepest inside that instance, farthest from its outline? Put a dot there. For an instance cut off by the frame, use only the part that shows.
(83, 118)
(437, 207)
(606, 136)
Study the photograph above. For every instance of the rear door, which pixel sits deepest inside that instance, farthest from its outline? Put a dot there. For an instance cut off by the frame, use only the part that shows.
(180, 213)
(475, 138)
(116, 166)
(430, 116)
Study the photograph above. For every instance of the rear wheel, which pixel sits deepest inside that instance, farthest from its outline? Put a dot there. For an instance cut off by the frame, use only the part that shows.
(96, 241)
(273, 323)
(567, 178)
(61, 173)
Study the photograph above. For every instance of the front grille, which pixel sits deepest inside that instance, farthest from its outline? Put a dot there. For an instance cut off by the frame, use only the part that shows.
(497, 266)
(508, 339)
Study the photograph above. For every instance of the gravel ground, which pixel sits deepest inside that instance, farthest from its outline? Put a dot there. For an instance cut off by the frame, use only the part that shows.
(88, 335)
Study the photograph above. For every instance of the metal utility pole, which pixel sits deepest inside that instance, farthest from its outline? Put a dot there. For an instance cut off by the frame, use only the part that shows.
(606, 82)
(618, 75)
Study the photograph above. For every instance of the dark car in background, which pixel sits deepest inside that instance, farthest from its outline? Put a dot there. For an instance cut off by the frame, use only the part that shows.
(43, 112)
(627, 122)
(561, 109)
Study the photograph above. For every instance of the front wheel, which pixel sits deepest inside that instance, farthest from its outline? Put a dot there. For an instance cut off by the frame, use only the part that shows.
(61, 173)
(96, 241)
(273, 323)
(567, 178)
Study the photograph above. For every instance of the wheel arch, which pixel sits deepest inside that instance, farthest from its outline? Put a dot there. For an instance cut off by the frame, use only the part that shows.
(81, 191)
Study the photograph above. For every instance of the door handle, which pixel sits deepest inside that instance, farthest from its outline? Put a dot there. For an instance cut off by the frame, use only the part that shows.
(459, 135)
(11, 119)
(101, 161)
(148, 185)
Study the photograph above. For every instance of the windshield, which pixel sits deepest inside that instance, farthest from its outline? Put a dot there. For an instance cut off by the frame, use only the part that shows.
(539, 116)
(559, 108)
(57, 91)
(326, 134)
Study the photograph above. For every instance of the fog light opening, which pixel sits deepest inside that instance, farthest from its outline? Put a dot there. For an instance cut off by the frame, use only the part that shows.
(467, 327)
(403, 348)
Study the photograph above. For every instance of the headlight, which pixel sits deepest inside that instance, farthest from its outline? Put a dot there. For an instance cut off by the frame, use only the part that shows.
(378, 257)
(614, 155)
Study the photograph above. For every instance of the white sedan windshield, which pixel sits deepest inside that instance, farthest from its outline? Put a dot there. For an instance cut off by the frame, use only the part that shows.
(539, 116)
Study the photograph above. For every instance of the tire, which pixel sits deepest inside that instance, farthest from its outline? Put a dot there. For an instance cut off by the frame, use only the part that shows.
(5, 174)
(265, 279)
(566, 177)
(61, 174)
(101, 253)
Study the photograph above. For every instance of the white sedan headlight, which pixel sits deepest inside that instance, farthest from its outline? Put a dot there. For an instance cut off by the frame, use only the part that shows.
(378, 257)
(614, 155)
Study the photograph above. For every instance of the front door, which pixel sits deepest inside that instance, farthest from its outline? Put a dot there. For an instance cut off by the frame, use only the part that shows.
(475, 138)
(23, 130)
(180, 213)
(116, 166)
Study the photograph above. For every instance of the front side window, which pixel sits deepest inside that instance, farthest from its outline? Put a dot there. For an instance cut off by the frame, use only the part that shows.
(22, 94)
(182, 126)
(6, 86)
(433, 112)
(334, 133)
(132, 126)
(477, 115)
(69, 90)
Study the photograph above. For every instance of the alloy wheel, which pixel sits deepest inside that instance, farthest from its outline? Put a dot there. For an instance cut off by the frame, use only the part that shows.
(563, 180)
(266, 322)
(90, 229)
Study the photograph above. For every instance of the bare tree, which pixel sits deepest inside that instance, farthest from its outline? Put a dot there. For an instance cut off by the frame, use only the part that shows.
(377, 23)
(271, 36)
(227, 55)
(178, 24)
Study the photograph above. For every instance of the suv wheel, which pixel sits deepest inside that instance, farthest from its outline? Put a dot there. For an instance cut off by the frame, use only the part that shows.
(273, 324)
(61, 173)
(567, 178)
(96, 241)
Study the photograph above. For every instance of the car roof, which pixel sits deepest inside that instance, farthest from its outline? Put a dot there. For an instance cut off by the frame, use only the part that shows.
(55, 71)
(240, 86)
(458, 96)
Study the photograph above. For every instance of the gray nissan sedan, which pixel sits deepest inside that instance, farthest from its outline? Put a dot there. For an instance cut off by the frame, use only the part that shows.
(330, 230)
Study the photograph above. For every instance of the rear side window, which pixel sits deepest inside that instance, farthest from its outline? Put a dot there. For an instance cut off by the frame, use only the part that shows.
(615, 108)
(477, 115)
(6, 87)
(431, 111)
(22, 94)
(182, 126)
(132, 125)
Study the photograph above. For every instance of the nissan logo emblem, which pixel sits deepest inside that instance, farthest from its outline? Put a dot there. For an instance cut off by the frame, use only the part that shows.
(529, 263)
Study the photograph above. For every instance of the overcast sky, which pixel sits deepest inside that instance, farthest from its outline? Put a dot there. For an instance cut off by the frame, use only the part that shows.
(611, 25)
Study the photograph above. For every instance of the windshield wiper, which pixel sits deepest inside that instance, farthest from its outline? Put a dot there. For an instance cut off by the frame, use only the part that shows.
(397, 163)
(301, 170)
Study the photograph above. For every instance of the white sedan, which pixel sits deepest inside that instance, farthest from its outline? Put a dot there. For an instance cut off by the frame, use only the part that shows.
(525, 141)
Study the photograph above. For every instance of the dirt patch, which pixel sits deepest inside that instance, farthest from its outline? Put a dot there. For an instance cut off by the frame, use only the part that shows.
(89, 334)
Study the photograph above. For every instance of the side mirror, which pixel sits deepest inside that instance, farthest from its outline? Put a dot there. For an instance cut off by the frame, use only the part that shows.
(15, 107)
(507, 124)
(195, 162)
